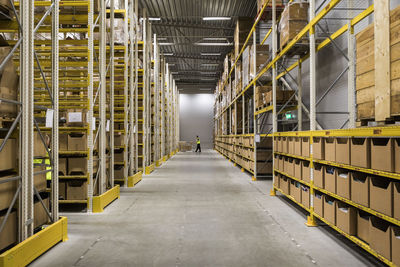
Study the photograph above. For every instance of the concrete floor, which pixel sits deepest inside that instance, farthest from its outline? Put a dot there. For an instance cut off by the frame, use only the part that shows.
(199, 210)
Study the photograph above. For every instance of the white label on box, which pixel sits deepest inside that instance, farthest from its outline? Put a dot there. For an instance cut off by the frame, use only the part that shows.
(257, 138)
(108, 126)
(49, 118)
(74, 116)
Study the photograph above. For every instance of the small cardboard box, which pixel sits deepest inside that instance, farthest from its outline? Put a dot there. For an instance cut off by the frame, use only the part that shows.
(305, 196)
(40, 182)
(40, 216)
(346, 218)
(342, 150)
(77, 166)
(395, 245)
(330, 179)
(297, 169)
(276, 143)
(279, 147)
(381, 193)
(76, 117)
(290, 141)
(363, 225)
(119, 140)
(382, 154)
(330, 149)
(396, 200)
(360, 188)
(319, 171)
(7, 191)
(276, 180)
(77, 190)
(8, 156)
(305, 171)
(62, 166)
(39, 147)
(330, 209)
(285, 184)
(282, 163)
(295, 190)
(285, 145)
(276, 162)
(396, 142)
(297, 146)
(305, 146)
(379, 236)
(63, 142)
(9, 234)
(318, 148)
(360, 152)
(343, 183)
(319, 203)
(77, 142)
(289, 163)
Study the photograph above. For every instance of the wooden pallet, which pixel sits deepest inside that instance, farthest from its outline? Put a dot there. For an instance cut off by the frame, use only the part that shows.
(371, 122)
(6, 122)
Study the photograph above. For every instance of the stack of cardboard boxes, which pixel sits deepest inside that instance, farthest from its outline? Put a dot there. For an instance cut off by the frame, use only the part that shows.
(294, 19)
(242, 30)
(263, 96)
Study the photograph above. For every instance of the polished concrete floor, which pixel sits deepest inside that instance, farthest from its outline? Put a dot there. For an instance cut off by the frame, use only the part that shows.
(199, 210)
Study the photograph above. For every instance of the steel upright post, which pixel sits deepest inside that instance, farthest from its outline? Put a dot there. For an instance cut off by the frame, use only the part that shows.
(351, 73)
(132, 90)
(136, 126)
(274, 81)
(254, 118)
(299, 98)
(112, 112)
(126, 91)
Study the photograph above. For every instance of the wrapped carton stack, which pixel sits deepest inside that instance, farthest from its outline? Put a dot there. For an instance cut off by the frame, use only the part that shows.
(294, 19)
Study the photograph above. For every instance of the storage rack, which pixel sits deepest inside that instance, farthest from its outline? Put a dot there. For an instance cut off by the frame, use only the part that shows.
(352, 16)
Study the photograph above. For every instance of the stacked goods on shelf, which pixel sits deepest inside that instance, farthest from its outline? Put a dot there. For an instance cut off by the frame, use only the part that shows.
(294, 18)
(356, 185)
(264, 156)
(367, 102)
(246, 67)
(243, 27)
(261, 58)
(263, 96)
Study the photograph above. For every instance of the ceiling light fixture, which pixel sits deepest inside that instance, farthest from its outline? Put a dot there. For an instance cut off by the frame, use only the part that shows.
(168, 54)
(214, 44)
(216, 18)
(210, 54)
(166, 43)
(210, 64)
(154, 19)
(214, 39)
(161, 38)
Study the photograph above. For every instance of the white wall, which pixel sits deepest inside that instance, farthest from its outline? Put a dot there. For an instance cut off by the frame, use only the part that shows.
(196, 118)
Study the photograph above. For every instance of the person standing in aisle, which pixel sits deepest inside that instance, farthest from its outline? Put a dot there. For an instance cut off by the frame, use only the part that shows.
(198, 148)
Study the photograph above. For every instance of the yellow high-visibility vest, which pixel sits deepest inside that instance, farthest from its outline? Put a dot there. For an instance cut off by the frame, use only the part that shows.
(198, 141)
(47, 162)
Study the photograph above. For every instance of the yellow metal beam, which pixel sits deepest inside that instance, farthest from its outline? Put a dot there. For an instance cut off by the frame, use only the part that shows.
(133, 180)
(102, 201)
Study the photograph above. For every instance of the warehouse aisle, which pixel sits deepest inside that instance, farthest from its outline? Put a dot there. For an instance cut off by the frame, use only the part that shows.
(197, 210)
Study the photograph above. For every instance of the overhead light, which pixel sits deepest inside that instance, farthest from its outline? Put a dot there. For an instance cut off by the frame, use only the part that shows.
(174, 72)
(215, 44)
(208, 73)
(208, 79)
(154, 19)
(210, 54)
(161, 38)
(214, 39)
(210, 64)
(216, 18)
(171, 64)
(166, 44)
(168, 54)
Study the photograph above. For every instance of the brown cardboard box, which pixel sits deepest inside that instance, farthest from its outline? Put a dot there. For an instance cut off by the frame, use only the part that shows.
(289, 166)
(396, 200)
(76, 117)
(330, 174)
(119, 172)
(330, 149)
(343, 183)
(276, 180)
(282, 163)
(305, 196)
(77, 142)
(77, 190)
(360, 188)
(297, 169)
(62, 166)
(39, 147)
(319, 203)
(305, 146)
(363, 225)
(330, 209)
(63, 142)
(40, 182)
(381, 193)
(7, 191)
(360, 152)
(279, 144)
(346, 218)
(382, 154)
(9, 234)
(8, 84)
(343, 150)
(396, 142)
(379, 236)
(318, 148)
(276, 162)
(119, 140)
(305, 171)
(290, 141)
(319, 171)
(295, 190)
(284, 183)
(276, 143)
(395, 245)
(8, 156)
(285, 146)
(119, 157)
(40, 216)
(297, 146)
(77, 166)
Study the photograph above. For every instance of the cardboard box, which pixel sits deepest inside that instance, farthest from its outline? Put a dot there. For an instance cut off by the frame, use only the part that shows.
(39, 180)
(360, 188)
(295, 190)
(77, 190)
(9, 82)
(290, 141)
(396, 200)
(285, 146)
(305, 196)
(382, 154)
(305, 146)
(77, 142)
(319, 203)
(297, 169)
(40, 216)
(119, 140)
(363, 225)
(38, 145)
(330, 179)
(276, 143)
(346, 218)
(277, 180)
(343, 183)
(63, 142)
(330, 209)
(330, 149)
(119, 157)
(297, 146)
(9, 234)
(276, 162)
(282, 163)
(289, 166)
(396, 143)
(360, 152)
(285, 183)
(318, 148)
(342, 150)
(76, 117)
(379, 236)
(7, 191)
(77, 166)
(8, 156)
(62, 166)
(305, 171)
(319, 171)
(381, 193)
(119, 172)
(395, 245)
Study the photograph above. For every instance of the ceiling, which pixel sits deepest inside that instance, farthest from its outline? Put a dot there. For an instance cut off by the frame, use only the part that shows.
(196, 63)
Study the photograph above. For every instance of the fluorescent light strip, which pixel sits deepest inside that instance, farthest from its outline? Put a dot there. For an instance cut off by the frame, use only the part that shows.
(168, 54)
(214, 44)
(216, 18)
(214, 39)
(166, 43)
(210, 54)
(209, 64)
(154, 19)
